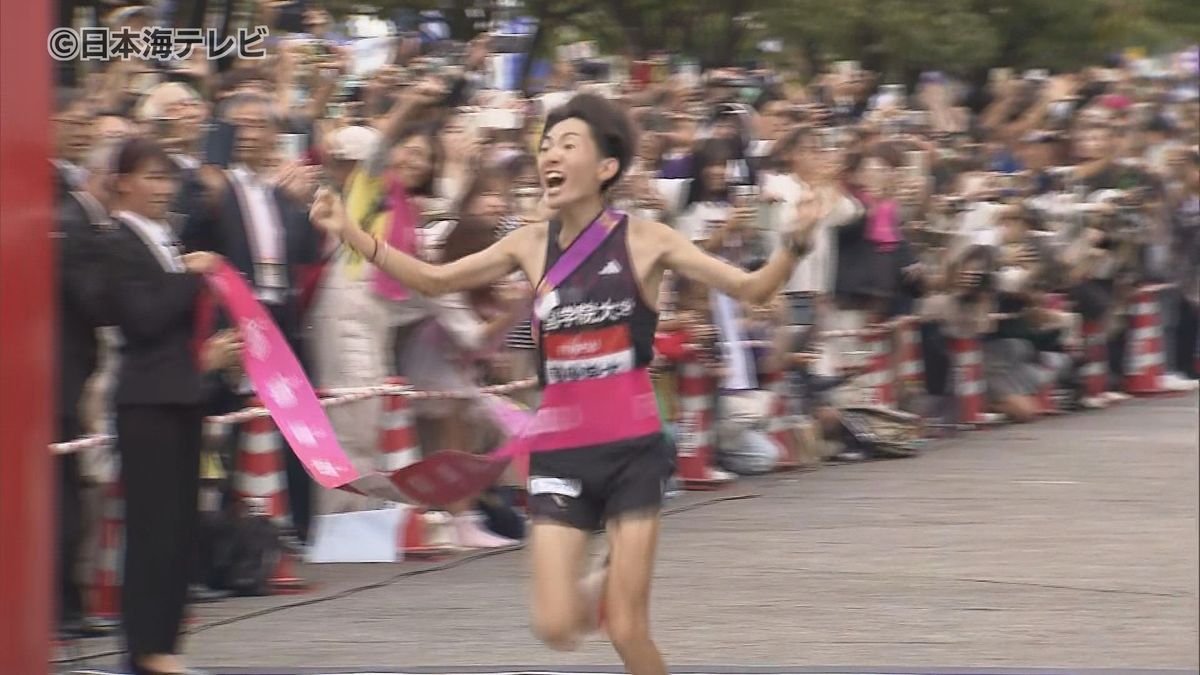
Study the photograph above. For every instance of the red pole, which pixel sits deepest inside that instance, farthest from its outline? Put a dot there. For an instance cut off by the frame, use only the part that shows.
(27, 325)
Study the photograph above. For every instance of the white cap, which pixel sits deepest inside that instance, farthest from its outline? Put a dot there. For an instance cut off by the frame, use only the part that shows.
(355, 143)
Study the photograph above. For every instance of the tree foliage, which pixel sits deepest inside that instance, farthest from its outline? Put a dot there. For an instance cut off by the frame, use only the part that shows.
(895, 37)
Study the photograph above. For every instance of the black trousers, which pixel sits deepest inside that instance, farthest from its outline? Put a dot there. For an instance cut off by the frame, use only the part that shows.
(1116, 360)
(160, 469)
(937, 361)
(299, 484)
(70, 528)
(1187, 346)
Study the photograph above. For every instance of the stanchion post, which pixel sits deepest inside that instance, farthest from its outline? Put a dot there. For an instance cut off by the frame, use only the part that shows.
(695, 438)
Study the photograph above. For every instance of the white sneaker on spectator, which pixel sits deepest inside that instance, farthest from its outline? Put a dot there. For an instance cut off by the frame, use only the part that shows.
(470, 532)
(1093, 402)
(1115, 396)
(720, 474)
(1177, 382)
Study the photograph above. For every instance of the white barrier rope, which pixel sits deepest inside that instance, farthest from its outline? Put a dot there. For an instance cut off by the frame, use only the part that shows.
(333, 398)
(339, 397)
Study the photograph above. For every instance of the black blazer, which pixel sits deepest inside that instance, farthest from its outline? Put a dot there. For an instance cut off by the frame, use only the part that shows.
(156, 312)
(62, 183)
(82, 240)
(223, 230)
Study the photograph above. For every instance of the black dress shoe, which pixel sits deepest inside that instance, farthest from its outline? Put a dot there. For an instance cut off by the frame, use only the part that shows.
(96, 626)
(86, 627)
(198, 593)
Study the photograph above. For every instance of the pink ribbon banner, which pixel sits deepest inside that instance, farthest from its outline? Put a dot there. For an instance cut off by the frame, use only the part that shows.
(281, 384)
(279, 381)
(573, 414)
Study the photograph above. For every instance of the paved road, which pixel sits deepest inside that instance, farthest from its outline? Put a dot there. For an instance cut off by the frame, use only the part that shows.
(1071, 543)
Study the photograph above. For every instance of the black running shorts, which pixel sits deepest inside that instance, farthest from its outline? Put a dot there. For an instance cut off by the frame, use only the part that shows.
(585, 487)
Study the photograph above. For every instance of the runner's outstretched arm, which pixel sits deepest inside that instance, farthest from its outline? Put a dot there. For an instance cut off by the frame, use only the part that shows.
(474, 271)
(684, 257)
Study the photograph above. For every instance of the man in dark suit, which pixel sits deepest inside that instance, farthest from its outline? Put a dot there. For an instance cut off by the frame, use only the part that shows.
(84, 228)
(72, 139)
(262, 229)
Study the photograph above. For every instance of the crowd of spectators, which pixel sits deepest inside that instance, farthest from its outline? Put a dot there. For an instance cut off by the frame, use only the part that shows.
(1050, 206)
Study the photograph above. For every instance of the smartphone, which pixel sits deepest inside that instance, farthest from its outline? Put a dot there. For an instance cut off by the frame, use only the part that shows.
(291, 147)
(743, 195)
(218, 144)
(892, 94)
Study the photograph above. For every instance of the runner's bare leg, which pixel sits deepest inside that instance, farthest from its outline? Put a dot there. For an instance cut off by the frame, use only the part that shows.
(634, 541)
(559, 556)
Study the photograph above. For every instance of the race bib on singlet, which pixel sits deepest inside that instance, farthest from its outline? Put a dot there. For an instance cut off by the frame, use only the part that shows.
(588, 354)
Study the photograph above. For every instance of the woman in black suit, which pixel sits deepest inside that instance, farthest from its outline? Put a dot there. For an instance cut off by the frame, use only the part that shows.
(158, 398)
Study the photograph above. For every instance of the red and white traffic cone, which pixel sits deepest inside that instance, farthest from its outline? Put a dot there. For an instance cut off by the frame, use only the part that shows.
(261, 486)
(398, 447)
(880, 385)
(417, 540)
(1144, 362)
(1094, 371)
(969, 385)
(781, 427)
(260, 481)
(694, 466)
(105, 591)
(910, 364)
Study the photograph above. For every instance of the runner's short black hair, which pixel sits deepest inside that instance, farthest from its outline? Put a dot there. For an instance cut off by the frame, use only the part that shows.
(610, 126)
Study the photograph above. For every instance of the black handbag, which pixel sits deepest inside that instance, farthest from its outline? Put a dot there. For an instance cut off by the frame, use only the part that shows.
(498, 506)
(239, 551)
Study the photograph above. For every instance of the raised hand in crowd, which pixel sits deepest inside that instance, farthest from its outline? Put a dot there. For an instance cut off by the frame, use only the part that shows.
(477, 52)
(298, 180)
(810, 209)
(742, 218)
(328, 213)
(413, 102)
(201, 262)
